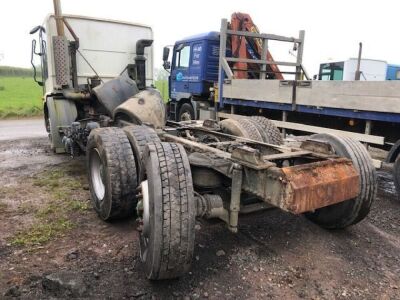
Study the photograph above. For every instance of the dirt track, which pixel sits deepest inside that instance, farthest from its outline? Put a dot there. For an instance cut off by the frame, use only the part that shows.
(274, 255)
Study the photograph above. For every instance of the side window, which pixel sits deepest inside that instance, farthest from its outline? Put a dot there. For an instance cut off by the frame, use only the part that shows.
(182, 56)
(338, 74)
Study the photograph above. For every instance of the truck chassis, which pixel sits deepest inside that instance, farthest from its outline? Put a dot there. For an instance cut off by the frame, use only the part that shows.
(187, 170)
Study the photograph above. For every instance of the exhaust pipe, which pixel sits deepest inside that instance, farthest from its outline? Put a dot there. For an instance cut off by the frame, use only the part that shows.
(140, 61)
(59, 18)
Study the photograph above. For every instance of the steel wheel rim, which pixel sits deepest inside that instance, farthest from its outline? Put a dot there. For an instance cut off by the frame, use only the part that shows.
(97, 174)
(145, 233)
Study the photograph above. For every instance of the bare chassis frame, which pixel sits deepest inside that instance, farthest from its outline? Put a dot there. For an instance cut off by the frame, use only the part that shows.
(296, 180)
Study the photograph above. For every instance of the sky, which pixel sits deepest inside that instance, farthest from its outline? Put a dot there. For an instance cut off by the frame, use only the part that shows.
(333, 28)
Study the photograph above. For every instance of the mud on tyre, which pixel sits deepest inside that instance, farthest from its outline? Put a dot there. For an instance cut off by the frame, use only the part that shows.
(352, 211)
(112, 173)
(167, 235)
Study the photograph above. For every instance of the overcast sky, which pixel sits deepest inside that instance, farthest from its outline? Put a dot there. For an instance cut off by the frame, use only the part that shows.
(333, 28)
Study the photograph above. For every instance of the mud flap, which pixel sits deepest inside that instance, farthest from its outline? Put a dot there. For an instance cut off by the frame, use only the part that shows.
(61, 113)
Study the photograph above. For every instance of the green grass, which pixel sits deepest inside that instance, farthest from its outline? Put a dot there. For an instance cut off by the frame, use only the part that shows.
(53, 220)
(162, 86)
(19, 97)
(41, 233)
(22, 97)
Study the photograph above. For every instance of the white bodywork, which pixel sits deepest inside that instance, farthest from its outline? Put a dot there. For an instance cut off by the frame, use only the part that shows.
(372, 70)
(109, 46)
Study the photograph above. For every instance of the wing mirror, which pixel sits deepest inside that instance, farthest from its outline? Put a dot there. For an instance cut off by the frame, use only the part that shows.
(36, 29)
(166, 64)
(165, 53)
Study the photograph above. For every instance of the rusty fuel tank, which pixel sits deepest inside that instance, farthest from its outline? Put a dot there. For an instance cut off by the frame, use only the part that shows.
(315, 185)
(305, 187)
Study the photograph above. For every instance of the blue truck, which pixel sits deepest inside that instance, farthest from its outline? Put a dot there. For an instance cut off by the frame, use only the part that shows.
(194, 71)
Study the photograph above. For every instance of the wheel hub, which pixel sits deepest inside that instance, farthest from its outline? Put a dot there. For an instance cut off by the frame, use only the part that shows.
(143, 209)
(146, 208)
(186, 116)
(97, 174)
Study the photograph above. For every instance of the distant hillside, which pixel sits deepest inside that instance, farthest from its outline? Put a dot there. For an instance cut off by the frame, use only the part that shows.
(15, 72)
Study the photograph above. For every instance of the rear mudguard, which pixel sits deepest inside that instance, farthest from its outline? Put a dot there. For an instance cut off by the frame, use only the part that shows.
(60, 113)
(146, 107)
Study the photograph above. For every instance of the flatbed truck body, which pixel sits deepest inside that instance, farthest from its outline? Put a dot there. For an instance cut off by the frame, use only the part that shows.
(369, 109)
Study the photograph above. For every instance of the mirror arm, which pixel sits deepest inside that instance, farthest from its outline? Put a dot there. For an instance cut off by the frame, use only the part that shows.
(33, 52)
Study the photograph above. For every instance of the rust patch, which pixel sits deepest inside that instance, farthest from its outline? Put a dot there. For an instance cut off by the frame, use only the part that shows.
(316, 185)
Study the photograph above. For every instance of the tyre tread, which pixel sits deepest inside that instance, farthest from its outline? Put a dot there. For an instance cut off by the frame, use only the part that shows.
(271, 131)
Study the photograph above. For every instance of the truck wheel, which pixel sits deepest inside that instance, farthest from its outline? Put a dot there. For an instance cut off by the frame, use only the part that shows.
(251, 128)
(352, 211)
(112, 173)
(396, 176)
(186, 112)
(393, 153)
(241, 128)
(271, 135)
(139, 136)
(167, 234)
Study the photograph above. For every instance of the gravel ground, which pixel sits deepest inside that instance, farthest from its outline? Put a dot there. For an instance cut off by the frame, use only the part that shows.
(275, 255)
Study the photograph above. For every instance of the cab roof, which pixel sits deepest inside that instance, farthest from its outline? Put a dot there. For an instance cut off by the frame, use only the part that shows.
(211, 36)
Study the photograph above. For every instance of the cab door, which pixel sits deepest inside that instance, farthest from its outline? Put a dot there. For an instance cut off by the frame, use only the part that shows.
(180, 72)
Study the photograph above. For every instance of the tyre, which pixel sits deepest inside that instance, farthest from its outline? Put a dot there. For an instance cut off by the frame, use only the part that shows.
(243, 127)
(112, 173)
(139, 136)
(352, 211)
(167, 235)
(396, 176)
(393, 153)
(251, 128)
(186, 112)
(233, 127)
(271, 135)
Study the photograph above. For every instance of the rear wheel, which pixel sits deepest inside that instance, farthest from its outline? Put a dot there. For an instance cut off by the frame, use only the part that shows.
(112, 173)
(271, 133)
(352, 211)
(251, 128)
(241, 128)
(167, 211)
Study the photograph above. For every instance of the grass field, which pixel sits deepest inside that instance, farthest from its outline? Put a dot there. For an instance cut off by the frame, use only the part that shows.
(22, 97)
(19, 97)
(162, 86)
